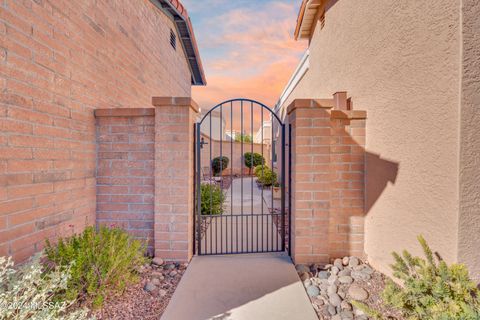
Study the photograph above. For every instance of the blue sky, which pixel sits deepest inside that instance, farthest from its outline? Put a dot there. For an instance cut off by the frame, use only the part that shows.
(247, 48)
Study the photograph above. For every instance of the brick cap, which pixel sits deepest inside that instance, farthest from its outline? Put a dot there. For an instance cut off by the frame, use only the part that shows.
(176, 102)
(125, 112)
(348, 114)
(310, 103)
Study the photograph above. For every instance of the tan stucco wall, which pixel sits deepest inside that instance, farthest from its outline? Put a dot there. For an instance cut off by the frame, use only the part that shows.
(469, 217)
(400, 61)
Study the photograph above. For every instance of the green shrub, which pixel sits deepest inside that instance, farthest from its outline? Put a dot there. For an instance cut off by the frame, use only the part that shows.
(253, 159)
(268, 178)
(32, 293)
(258, 169)
(212, 199)
(219, 164)
(430, 290)
(243, 138)
(104, 262)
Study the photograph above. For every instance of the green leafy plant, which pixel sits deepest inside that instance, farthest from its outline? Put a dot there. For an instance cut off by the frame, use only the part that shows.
(267, 178)
(243, 138)
(212, 199)
(31, 292)
(103, 262)
(253, 159)
(219, 164)
(430, 289)
(258, 169)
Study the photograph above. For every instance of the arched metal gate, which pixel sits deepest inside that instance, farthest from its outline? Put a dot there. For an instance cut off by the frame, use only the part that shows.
(241, 180)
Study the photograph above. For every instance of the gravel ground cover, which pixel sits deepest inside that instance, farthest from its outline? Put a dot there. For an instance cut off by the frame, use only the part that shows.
(332, 287)
(148, 298)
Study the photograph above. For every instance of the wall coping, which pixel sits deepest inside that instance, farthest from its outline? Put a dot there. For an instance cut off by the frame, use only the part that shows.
(175, 102)
(348, 114)
(310, 103)
(124, 112)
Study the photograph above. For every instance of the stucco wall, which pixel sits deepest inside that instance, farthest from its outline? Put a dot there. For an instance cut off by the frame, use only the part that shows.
(399, 61)
(469, 218)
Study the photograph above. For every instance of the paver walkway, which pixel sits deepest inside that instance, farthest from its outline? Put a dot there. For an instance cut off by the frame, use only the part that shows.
(240, 287)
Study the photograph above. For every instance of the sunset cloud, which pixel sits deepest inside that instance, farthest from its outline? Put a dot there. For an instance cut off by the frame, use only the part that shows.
(247, 48)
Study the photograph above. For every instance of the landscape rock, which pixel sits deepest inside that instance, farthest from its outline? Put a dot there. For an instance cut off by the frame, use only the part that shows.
(335, 270)
(335, 300)
(173, 273)
(345, 305)
(344, 272)
(332, 310)
(150, 287)
(360, 275)
(301, 268)
(332, 289)
(345, 279)
(155, 281)
(304, 276)
(346, 314)
(353, 262)
(313, 291)
(338, 263)
(345, 261)
(357, 293)
(323, 274)
(157, 261)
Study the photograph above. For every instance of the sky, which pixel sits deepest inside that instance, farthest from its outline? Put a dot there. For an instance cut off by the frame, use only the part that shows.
(247, 48)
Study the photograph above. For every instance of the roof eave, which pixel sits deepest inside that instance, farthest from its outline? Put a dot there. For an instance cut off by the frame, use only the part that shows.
(306, 18)
(187, 36)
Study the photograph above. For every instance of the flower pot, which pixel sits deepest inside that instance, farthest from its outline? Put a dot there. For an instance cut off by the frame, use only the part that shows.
(277, 193)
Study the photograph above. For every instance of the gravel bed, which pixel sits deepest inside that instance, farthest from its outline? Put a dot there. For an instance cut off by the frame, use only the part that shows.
(148, 298)
(332, 287)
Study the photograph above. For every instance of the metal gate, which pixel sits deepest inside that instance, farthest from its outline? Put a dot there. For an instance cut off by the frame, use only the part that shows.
(241, 180)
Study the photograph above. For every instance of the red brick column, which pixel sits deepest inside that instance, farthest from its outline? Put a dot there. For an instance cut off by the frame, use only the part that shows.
(310, 169)
(174, 160)
(327, 180)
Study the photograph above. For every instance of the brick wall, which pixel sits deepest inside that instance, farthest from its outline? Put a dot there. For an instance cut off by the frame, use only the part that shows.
(125, 170)
(328, 161)
(60, 60)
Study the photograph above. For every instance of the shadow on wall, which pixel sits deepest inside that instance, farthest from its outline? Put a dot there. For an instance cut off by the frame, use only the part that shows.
(378, 173)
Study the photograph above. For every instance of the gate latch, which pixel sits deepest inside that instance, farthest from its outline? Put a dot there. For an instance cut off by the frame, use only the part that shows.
(202, 142)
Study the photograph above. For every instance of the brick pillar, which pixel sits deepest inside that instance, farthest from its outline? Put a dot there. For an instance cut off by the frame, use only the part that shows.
(327, 180)
(174, 159)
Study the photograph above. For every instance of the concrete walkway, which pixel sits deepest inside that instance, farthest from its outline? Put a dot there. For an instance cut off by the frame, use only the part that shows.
(240, 287)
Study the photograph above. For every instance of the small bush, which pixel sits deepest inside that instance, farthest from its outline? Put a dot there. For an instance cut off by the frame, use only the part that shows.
(258, 170)
(32, 293)
(268, 178)
(212, 199)
(430, 289)
(243, 138)
(253, 159)
(103, 262)
(219, 164)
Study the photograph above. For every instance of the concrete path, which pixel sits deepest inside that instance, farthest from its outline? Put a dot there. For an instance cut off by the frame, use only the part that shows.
(240, 287)
(246, 225)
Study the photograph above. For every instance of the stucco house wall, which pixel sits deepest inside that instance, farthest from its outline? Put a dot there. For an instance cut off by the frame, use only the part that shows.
(402, 62)
(60, 60)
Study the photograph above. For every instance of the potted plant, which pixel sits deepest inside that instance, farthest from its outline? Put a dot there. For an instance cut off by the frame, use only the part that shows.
(277, 194)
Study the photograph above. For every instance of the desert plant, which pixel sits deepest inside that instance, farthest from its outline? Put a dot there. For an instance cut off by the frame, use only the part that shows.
(219, 164)
(259, 169)
(243, 138)
(31, 292)
(103, 262)
(212, 199)
(267, 178)
(253, 159)
(430, 289)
